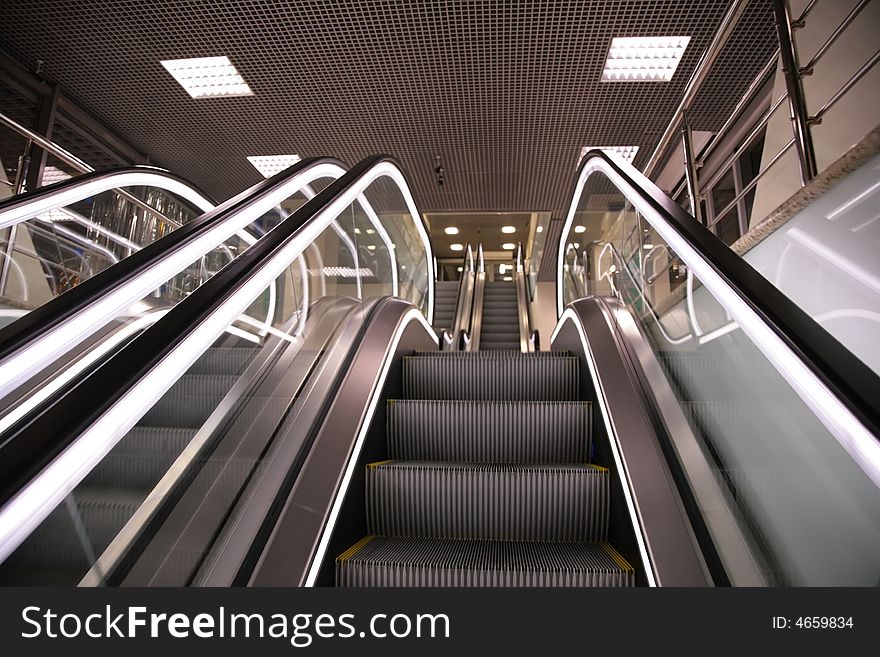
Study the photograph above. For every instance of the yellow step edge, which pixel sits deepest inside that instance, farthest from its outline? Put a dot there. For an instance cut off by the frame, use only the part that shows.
(378, 463)
(596, 467)
(350, 552)
(614, 554)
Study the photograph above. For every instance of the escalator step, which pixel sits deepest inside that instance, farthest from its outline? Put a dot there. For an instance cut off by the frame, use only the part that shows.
(190, 401)
(514, 353)
(223, 360)
(499, 346)
(102, 512)
(503, 378)
(141, 458)
(499, 501)
(510, 432)
(392, 561)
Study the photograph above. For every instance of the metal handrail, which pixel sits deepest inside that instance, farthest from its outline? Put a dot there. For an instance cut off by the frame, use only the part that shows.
(639, 285)
(72, 160)
(801, 120)
(707, 60)
(840, 93)
(807, 69)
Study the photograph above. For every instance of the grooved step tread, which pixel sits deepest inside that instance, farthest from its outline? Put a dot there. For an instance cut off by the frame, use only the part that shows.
(499, 431)
(514, 353)
(396, 561)
(502, 378)
(502, 501)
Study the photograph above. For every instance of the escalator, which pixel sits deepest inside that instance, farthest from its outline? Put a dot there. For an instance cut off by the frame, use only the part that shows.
(93, 525)
(500, 317)
(444, 309)
(487, 480)
(360, 450)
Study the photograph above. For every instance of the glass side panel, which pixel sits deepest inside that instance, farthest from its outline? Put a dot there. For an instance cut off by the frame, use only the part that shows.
(214, 429)
(57, 250)
(825, 259)
(809, 513)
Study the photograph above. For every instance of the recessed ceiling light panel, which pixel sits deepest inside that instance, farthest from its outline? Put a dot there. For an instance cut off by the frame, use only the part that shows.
(53, 175)
(643, 59)
(208, 77)
(451, 230)
(456, 247)
(508, 229)
(508, 245)
(269, 165)
(628, 153)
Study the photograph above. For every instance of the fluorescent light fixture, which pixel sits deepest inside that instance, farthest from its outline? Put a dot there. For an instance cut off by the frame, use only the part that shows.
(461, 269)
(456, 247)
(451, 230)
(508, 245)
(53, 175)
(508, 229)
(269, 165)
(208, 77)
(580, 229)
(643, 59)
(539, 229)
(628, 153)
(647, 247)
(508, 278)
(371, 231)
(343, 272)
(502, 268)
(371, 247)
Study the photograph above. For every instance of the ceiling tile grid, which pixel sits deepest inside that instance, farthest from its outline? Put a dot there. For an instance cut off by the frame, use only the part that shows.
(505, 93)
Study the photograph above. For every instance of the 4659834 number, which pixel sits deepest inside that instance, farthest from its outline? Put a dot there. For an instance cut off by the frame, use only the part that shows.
(824, 622)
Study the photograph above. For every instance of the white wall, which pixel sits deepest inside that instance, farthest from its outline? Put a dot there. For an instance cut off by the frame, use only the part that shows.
(848, 121)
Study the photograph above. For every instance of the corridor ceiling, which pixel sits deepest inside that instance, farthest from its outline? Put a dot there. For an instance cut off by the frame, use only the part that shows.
(504, 93)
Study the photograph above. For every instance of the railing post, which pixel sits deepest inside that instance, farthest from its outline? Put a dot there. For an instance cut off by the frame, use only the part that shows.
(797, 105)
(44, 124)
(690, 167)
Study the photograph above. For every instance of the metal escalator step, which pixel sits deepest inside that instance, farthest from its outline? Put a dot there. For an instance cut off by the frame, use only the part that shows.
(499, 332)
(501, 318)
(396, 561)
(223, 360)
(102, 513)
(510, 432)
(190, 401)
(499, 346)
(141, 458)
(514, 353)
(498, 501)
(502, 378)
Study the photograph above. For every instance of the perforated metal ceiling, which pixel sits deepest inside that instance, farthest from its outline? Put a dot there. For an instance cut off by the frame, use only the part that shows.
(506, 93)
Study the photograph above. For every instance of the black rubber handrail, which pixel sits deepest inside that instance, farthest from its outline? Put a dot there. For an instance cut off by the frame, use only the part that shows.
(21, 200)
(855, 384)
(37, 322)
(34, 442)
